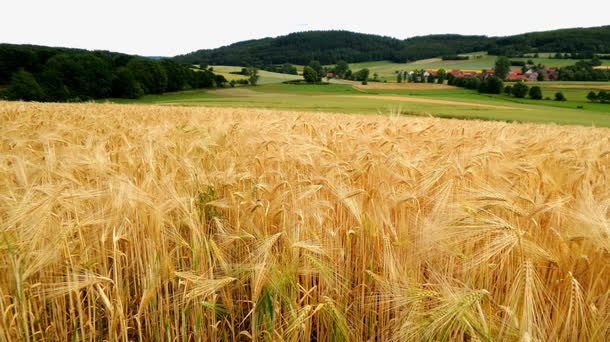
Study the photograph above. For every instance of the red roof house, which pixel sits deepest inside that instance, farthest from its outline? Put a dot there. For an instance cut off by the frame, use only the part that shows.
(515, 77)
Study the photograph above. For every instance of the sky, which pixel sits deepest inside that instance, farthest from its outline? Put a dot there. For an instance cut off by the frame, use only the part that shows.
(169, 28)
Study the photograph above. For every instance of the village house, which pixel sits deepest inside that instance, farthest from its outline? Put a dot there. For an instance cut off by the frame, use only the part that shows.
(531, 75)
(516, 77)
(487, 73)
(514, 74)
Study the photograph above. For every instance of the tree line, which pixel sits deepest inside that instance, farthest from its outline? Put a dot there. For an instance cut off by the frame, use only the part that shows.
(35, 73)
(329, 47)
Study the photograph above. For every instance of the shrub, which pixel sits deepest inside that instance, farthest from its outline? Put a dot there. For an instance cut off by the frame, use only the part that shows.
(24, 87)
(603, 96)
(559, 96)
(519, 90)
(536, 93)
(310, 75)
(508, 90)
(494, 85)
(472, 82)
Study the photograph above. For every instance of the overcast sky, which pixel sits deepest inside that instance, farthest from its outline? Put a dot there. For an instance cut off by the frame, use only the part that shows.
(168, 28)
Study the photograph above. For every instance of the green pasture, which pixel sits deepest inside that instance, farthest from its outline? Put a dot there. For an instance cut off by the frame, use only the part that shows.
(341, 98)
(266, 77)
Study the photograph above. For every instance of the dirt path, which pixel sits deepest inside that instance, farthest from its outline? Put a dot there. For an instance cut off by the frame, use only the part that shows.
(422, 100)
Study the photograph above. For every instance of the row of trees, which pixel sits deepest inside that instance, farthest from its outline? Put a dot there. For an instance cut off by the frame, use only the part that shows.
(520, 90)
(285, 68)
(602, 96)
(314, 72)
(61, 75)
(584, 71)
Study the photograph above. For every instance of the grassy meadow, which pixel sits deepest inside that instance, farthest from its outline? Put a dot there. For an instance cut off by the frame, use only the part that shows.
(146, 222)
(408, 99)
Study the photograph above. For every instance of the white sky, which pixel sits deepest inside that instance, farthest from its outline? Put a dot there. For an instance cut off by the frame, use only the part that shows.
(168, 28)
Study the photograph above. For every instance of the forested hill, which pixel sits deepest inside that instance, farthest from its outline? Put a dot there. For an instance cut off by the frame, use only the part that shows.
(41, 73)
(330, 46)
(300, 48)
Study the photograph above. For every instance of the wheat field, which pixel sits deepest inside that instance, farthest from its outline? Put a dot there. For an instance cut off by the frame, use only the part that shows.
(130, 222)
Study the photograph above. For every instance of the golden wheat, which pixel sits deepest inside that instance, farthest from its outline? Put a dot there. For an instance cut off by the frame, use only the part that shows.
(161, 223)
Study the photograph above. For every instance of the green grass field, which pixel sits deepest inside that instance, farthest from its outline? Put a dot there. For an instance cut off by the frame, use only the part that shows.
(266, 77)
(449, 103)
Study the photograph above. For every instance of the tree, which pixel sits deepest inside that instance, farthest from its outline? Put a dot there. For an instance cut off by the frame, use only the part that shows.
(362, 75)
(540, 76)
(310, 75)
(508, 90)
(288, 68)
(24, 87)
(603, 96)
(149, 74)
(502, 67)
(317, 67)
(494, 85)
(472, 82)
(450, 78)
(535, 93)
(341, 68)
(592, 96)
(253, 73)
(375, 75)
(125, 85)
(176, 74)
(559, 96)
(399, 78)
(349, 75)
(220, 81)
(431, 78)
(519, 90)
(595, 61)
(441, 74)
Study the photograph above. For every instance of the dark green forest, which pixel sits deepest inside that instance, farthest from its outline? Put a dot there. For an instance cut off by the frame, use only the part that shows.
(299, 48)
(328, 47)
(39, 73)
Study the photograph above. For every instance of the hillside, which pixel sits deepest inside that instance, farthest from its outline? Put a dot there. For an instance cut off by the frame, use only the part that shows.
(41, 73)
(330, 46)
(300, 48)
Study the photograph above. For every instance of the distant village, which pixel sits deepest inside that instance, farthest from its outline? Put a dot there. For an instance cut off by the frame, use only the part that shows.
(515, 74)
